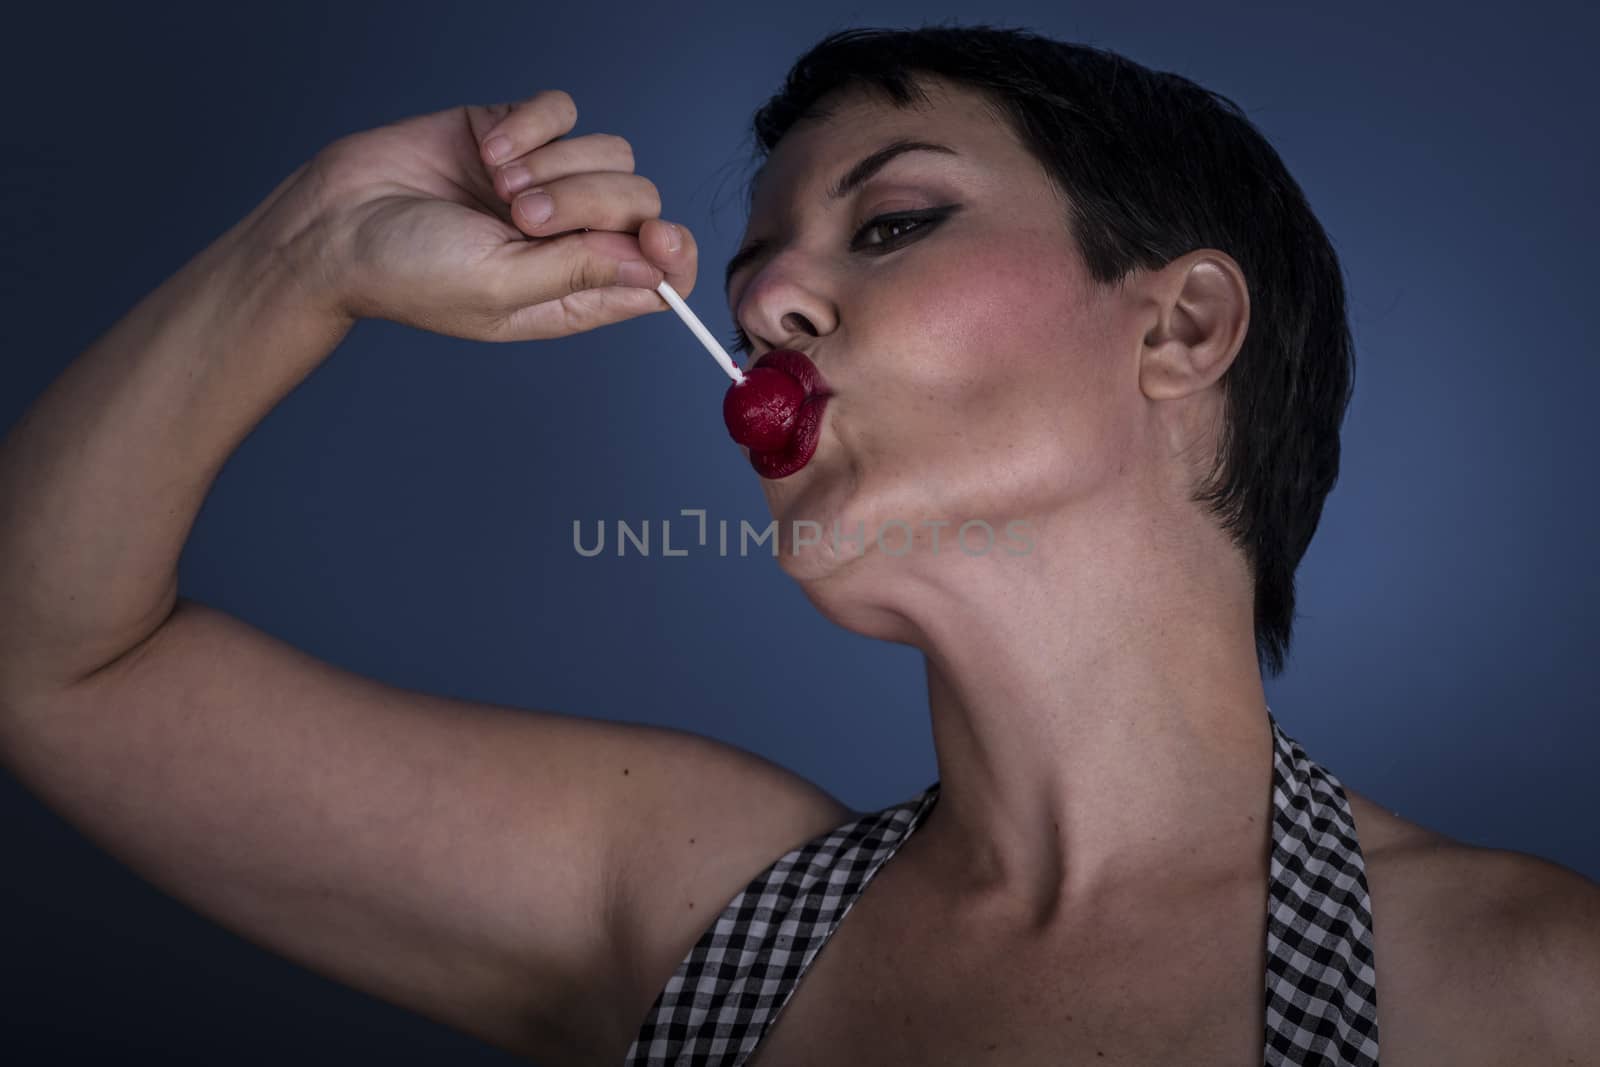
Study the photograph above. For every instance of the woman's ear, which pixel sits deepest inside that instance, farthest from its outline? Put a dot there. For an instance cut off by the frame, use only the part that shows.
(1201, 307)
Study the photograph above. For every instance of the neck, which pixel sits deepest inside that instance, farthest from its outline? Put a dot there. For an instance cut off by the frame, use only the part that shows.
(1098, 715)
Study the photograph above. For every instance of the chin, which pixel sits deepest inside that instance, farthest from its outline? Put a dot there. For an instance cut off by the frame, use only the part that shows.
(857, 589)
(814, 562)
(854, 595)
(810, 500)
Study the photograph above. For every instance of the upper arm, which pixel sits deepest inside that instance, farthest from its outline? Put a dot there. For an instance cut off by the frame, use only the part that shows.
(454, 858)
(718, 816)
(1559, 957)
(1516, 963)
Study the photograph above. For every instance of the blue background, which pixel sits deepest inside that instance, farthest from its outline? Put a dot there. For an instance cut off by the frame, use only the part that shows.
(406, 512)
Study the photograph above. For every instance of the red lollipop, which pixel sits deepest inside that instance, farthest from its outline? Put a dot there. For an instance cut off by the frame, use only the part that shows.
(762, 410)
(774, 409)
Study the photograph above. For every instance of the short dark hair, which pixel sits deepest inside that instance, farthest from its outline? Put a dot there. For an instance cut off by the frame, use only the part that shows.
(1153, 166)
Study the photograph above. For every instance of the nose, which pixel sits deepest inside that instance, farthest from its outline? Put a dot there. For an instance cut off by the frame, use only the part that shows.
(782, 309)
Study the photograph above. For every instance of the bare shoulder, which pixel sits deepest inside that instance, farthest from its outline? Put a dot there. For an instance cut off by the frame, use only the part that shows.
(1491, 955)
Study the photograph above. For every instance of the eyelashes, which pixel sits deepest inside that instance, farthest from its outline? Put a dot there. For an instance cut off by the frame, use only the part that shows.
(908, 224)
(917, 222)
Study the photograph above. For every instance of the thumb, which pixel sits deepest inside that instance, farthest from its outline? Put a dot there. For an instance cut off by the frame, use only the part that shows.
(536, 271)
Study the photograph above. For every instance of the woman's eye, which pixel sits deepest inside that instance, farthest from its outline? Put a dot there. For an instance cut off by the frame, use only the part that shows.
(892, 227)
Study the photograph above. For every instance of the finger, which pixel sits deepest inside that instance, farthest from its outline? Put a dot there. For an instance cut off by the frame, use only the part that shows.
(525, 273)
(587, 309)
(681, 264)
(601, 201)
(562, 159)
(529, 125)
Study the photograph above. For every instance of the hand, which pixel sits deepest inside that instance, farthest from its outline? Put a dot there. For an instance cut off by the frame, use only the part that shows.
(414, 222)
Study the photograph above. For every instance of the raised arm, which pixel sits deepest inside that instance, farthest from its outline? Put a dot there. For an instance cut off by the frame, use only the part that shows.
(451, 857)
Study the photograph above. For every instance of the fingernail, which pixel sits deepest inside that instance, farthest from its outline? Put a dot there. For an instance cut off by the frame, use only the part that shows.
(636, 273)
(536, 207)
(498, 148)
(517, 178)
(674, 238)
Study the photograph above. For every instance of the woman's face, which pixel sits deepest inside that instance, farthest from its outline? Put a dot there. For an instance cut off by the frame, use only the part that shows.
(977, 371)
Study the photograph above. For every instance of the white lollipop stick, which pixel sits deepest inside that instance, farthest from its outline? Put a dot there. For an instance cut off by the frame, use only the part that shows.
(691, 320)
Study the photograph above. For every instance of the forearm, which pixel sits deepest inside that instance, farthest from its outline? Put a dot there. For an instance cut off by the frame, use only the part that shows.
(102, 477)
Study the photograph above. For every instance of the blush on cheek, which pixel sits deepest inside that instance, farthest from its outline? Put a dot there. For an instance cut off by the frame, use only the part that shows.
(982, 380)
(1001, 374)
(1013, 303)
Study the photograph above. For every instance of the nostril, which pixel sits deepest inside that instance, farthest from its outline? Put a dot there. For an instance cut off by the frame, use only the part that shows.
(794, 322)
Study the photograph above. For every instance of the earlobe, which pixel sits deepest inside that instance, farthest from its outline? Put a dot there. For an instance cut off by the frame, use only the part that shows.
(1202, 309)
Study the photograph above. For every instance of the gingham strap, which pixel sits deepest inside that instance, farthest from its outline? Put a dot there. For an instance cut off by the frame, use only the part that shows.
(1321, 1004)
(736, 980)
(1321, 994)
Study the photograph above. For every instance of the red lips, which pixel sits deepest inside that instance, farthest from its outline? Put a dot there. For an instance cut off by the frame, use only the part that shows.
(776, 412)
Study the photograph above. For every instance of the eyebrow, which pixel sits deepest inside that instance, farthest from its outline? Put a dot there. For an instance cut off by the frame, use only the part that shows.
(853, 179)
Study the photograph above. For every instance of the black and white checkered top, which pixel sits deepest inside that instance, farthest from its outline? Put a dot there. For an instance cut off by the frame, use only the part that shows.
(1321, 1000)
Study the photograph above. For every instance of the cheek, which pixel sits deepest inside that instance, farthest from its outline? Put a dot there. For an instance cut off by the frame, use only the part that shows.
(998, 366)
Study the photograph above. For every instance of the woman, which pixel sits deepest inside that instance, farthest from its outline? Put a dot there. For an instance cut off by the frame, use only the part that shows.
(1096, 307)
